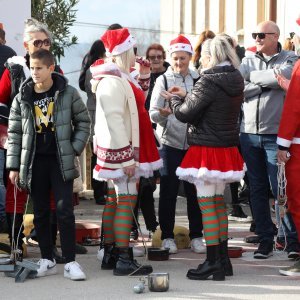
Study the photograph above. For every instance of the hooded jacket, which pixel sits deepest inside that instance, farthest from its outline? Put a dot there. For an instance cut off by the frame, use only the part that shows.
(212, 108)
(71, 123)
(171, 131)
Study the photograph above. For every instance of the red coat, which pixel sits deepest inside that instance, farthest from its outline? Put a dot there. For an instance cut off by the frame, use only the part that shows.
(289, 129)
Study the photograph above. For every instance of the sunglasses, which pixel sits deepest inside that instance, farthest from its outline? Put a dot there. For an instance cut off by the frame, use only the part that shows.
(158, 57)
(261, 35)
(39, 43)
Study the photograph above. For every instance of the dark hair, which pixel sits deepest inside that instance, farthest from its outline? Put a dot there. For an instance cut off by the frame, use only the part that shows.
(96, 51)
(2, 34)
(156, 47)
(114, 26)
(45, 56)
(204, 35)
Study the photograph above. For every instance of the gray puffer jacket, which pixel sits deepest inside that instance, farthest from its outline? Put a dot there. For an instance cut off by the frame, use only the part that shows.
(71, 123)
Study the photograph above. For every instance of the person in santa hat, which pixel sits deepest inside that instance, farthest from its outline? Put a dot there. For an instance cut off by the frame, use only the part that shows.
(288, 140)
(212, 110)
(172, 134)
(124, 144)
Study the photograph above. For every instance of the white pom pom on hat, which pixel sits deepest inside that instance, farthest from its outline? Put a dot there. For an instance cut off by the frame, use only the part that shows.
(181, 43)
(117, 41)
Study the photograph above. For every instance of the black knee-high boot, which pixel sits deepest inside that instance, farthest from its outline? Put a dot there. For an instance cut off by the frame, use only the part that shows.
(126, 264)
(211, 267)
(18, 231)
(226, 263)
(110, 257)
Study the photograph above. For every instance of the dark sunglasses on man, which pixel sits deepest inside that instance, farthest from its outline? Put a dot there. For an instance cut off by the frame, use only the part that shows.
(39, 43)
(260, 35)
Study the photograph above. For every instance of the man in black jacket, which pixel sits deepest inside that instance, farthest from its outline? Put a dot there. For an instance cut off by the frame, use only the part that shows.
(5, 51)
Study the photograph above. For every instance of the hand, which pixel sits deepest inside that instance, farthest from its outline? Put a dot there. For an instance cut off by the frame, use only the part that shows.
(283, 82)
(14, 177)
(165, 111)
(129, 171)
(283, 156)
(167, 95)
(142, 66)
(178, 91)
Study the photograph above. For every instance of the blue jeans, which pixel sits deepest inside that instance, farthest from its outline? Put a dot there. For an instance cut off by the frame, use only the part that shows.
(169, 184)
(2, 187)
(259, 152)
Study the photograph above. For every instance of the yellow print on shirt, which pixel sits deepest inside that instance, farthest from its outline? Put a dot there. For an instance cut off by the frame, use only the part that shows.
(44, 114)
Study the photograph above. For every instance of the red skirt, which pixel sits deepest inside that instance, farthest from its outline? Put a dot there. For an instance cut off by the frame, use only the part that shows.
(207, 165)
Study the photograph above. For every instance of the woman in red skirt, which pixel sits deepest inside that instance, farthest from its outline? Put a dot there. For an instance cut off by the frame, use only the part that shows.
(124, 144)
(212, 112)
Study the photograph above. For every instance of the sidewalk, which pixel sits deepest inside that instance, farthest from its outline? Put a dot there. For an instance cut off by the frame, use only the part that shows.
(253, 279)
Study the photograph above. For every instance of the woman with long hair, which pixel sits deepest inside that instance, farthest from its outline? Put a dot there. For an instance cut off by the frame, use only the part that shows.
(124, 144)
(212, 110)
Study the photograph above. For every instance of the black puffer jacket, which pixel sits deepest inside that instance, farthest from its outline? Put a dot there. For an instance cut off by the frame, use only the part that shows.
(212, 108)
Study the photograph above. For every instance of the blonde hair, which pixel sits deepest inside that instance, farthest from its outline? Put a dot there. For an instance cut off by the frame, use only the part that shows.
(124, 60)
(32, 25)
(220, 50)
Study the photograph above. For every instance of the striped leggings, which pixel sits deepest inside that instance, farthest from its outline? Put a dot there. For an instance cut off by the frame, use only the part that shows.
(118, 212)
(214, 214)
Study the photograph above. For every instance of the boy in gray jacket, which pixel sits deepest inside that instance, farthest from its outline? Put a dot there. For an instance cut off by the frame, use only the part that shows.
(48, 126)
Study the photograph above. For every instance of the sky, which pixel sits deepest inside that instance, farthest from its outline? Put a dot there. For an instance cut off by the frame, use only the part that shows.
(128, 13)
(102, 13)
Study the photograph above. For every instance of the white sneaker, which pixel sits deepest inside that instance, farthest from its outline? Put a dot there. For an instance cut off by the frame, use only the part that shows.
(100, 254)
(197, 245)
(137, 252)
(73, 271)
(169, 244)
(47, 267)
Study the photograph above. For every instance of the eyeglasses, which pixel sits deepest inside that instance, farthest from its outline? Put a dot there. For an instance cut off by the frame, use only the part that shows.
(261, 35)
(153, 57)
(39, 43)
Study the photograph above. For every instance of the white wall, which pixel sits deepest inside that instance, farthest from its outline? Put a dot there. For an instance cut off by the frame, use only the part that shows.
(13, 14)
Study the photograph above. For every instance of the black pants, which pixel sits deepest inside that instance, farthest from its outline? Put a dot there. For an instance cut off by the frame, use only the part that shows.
(47, 177)
(169, 185)
(99, 187)
(145, 201)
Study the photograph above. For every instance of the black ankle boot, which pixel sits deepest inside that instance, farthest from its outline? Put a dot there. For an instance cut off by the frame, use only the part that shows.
(226, 263)
(126, 264)
(110, 257)
(211, 267)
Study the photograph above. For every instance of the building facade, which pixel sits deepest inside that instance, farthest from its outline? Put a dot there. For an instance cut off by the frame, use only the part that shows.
(235, 17)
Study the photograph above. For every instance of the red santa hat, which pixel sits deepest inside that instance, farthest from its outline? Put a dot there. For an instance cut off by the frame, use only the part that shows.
(297, 27)
(181, 43)
(117, 41)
